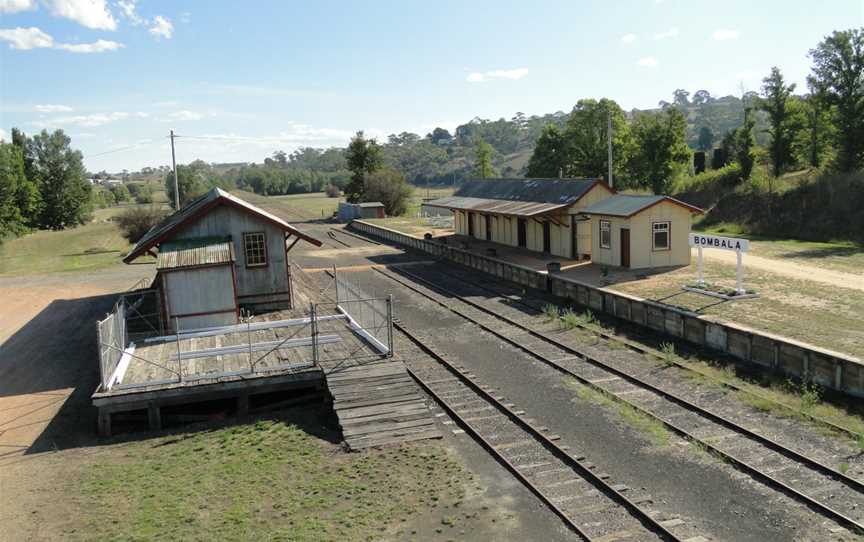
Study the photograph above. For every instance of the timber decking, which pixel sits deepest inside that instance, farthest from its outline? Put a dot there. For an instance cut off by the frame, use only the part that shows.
(378, 403)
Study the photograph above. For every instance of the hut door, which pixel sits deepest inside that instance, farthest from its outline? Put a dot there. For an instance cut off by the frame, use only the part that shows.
(471, 224)
(574, 238)
(625, 247)
(522, 232)
(547, 237)
(488, 227)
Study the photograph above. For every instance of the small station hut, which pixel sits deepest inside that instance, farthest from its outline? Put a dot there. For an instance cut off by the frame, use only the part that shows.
(216, 255)
(640, 232)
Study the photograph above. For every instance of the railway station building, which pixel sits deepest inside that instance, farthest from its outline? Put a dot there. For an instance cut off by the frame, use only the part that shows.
(577, 219)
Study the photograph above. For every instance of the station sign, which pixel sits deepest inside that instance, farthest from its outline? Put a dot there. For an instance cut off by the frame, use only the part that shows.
(734, 244)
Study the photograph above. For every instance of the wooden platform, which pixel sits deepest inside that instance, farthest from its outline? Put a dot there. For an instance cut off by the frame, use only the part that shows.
(378, 403)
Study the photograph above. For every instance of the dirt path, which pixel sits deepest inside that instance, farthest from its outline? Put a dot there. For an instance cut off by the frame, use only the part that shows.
(792, 270)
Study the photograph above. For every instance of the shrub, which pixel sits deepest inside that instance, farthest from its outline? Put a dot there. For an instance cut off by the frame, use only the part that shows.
(550, 311)
(389, 187)
(137, 221)
(332, 191)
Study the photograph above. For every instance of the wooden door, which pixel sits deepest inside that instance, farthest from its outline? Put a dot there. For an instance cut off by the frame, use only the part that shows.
(547, 237)
(625, 247)
(488, 227)
(471, 224)
(522, 233)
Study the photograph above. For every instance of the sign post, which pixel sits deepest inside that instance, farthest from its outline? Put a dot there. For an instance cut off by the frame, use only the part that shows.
(739, 246)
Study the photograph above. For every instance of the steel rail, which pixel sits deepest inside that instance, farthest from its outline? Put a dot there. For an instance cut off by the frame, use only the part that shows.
(741, 464)
(636, 347)
(641, 515)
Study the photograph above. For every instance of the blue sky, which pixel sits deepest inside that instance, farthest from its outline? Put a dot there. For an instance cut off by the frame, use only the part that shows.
(253, 77)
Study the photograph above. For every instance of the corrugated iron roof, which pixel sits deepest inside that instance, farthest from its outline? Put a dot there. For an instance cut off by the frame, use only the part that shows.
(370, 204)
(522, 197)
(161, 231)
(195, 252)
(627, 205)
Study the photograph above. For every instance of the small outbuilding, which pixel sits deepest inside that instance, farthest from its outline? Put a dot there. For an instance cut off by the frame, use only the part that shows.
(216, 255)
(640, 232)
(351, 211)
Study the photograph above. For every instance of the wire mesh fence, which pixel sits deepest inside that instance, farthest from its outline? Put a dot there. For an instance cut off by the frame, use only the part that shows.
(369, 315)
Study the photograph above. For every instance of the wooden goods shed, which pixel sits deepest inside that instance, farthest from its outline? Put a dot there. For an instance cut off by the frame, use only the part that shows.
(216, 255)
(537, 214)
(640, 232)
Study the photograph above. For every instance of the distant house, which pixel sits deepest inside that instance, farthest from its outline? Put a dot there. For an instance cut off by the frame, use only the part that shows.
(350, 211)
(217, 255)
(112, 182)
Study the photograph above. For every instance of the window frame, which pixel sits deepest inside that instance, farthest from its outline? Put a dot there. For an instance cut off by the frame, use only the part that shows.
(246, 236)
(608, 224)
(668, 246)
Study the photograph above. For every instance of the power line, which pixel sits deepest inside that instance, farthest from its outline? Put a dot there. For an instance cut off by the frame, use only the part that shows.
(134, 146)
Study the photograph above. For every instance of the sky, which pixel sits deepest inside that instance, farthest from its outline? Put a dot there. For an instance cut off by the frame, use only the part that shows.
(243, 79)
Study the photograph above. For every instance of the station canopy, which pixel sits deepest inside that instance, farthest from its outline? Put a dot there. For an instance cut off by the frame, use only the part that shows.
(517, 197)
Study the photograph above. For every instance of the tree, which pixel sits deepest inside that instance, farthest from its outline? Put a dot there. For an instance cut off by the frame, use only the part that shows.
(120, 192)
(680, 98)
(27, 197)
(483, 160)
(783, 128)
(701, 97)
(814, 139)
(193, 180)
(136, 221)
(389, 187)
(706, 138)
(838, 75)
(549, 158)
(59, 172)
(661, 151)
(363, 157)
(586, 138)
(11, 176)
(744, 143)
(439, 135)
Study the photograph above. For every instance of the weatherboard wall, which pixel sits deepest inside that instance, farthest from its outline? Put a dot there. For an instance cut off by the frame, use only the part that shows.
(769, 352)
(265, 286)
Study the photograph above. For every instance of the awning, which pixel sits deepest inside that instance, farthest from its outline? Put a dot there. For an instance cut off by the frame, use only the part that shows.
(496, 206)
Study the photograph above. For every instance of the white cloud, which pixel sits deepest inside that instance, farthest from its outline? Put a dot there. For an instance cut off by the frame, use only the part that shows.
(514, 74)
(162, 27)
(648, 62)
(26, 38)
(53, 108)
(184, 115)
(14, 6)
(722, 34)
(127, 9)
(671, 33)
(628, 38)
(98, 46)
(33, 38)
(88, 121)
(3, 135)
(90, 13)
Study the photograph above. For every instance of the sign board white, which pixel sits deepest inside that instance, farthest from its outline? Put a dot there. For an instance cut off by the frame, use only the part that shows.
(715, 241)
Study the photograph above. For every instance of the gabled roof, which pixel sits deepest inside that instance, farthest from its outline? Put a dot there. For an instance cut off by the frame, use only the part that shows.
(195, 252)
(521, 197)
(164, 230)
(627, 205)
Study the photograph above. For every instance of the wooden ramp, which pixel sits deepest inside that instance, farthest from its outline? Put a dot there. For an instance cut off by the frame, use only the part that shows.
(378, 403)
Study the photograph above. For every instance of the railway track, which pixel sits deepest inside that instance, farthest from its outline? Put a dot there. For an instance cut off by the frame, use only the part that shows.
(537, 308)
(586, 500)
(819, 486)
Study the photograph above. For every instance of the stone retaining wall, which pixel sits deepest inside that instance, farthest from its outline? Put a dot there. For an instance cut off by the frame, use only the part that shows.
(779, 354)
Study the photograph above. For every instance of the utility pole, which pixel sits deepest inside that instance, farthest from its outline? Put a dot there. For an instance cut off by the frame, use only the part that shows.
(609, 143)
(174, 167)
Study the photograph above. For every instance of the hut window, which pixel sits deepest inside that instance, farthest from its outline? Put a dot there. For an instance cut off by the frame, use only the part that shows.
(605, 234)
(255, 248)
(660, 234)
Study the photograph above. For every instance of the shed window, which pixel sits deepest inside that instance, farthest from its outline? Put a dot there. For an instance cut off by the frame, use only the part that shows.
(660, 235)
(255, 248)
(605, 234)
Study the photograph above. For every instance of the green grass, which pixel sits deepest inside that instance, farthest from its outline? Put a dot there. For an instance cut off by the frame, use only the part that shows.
(263, 481)
(93, 246)
(629, 415)
(296, 207)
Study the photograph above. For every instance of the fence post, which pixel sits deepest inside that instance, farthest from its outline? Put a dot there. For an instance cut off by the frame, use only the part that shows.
(179, 361)
(390, 325)
(249, 339)
(101, 356)
(314, 327)
(336, 284)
